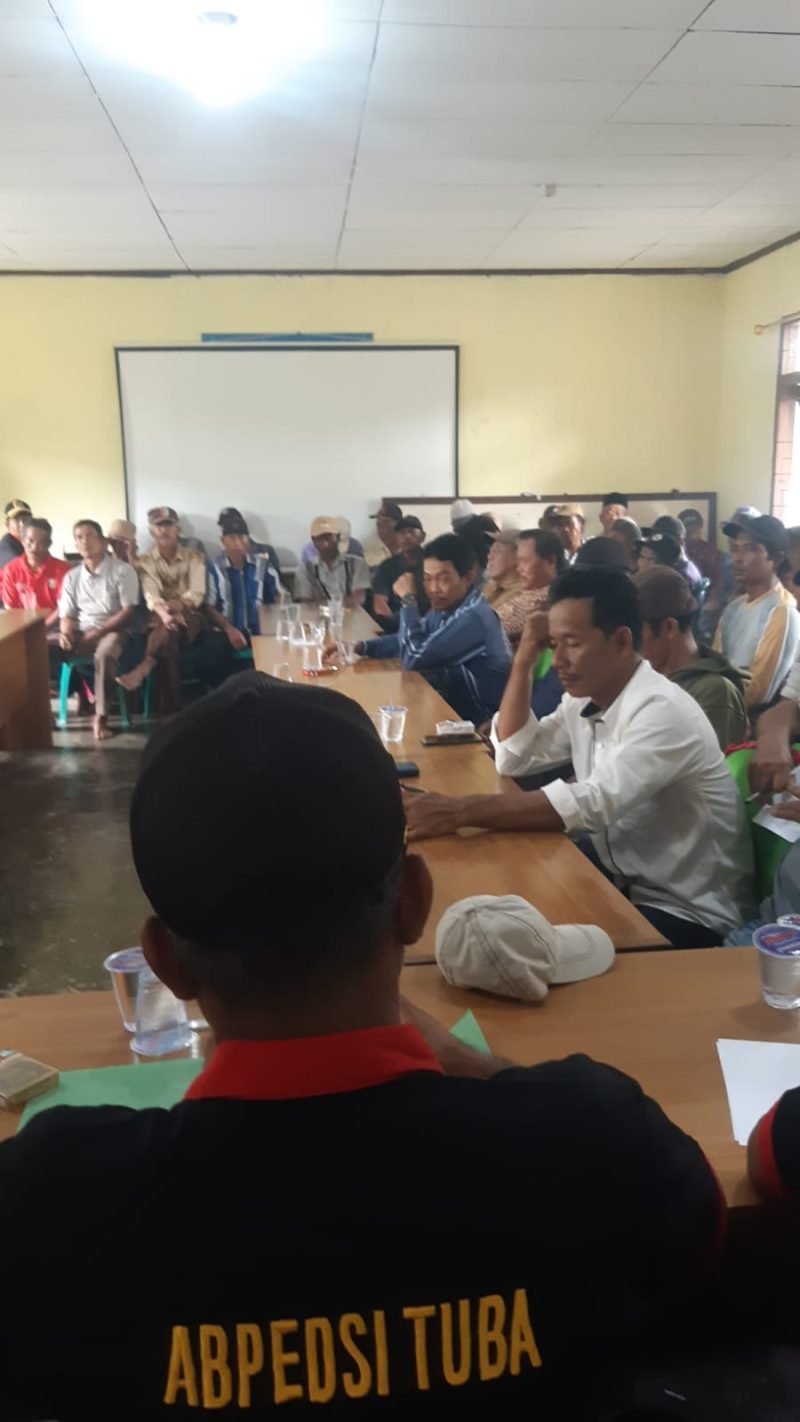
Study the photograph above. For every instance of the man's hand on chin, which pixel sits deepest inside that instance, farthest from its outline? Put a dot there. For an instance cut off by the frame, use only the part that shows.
(429, 816)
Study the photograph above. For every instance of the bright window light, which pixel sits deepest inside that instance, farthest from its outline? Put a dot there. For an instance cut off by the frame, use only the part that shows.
(223, 54)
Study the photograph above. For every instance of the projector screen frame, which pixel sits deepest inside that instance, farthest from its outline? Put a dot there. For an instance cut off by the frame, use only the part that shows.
(291, 349)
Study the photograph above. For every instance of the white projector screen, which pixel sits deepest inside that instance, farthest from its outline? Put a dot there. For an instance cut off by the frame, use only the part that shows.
(285, 433)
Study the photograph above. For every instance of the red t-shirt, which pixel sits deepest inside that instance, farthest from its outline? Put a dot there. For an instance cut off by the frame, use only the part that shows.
(19, 578)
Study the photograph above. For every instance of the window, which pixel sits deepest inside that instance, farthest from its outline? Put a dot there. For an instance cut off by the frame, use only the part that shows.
(786, 481)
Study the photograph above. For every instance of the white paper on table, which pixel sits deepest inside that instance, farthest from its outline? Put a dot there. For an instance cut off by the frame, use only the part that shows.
(756, 1074)
(787, 829)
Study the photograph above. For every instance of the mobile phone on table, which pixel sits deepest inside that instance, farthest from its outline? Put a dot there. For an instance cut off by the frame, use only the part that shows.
(407, 769)
(470, 738)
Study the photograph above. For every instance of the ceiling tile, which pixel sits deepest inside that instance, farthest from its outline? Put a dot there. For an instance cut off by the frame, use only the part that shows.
(34, 46)
(628, 14)
(297, 256)
(30, 98)
(731, 59)
(781, 16)
(712, 103)
(685, 139)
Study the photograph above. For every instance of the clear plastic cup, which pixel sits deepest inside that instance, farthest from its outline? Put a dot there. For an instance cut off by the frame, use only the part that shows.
(161, 1022)
(283, 628)
(291, 610)
(126, 968)
(312, 656)
(347, 653)
(392, 723)
(779, 964)
(282, 671)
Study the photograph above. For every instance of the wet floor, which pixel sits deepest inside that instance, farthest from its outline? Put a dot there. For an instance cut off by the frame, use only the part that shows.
(68, 891)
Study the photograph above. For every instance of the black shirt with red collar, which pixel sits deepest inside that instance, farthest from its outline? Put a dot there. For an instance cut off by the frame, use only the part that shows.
(778, 1148)
(331, 1226)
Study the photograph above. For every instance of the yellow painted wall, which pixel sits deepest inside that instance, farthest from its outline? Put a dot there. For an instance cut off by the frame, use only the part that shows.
(756, 295)
(567, 383)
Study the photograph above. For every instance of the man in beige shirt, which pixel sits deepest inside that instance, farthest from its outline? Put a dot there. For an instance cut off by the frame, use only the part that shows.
(174, 582)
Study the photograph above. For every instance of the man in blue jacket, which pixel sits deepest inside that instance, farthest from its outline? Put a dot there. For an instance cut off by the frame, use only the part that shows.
(459, 646)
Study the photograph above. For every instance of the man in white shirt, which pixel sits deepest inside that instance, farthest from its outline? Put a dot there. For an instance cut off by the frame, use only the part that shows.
(97, 603)
(651, 786)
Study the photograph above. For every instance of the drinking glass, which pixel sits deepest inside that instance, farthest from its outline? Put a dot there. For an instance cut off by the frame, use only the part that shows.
(392, 723)
(283, 628)
(291, 610)
(125, 968)
(282, 671)
(312, 657)
(161, 1022)
(347, 653)
(779, 964)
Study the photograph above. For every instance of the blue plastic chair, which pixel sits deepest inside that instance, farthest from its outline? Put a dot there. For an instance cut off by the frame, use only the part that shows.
(75, 664)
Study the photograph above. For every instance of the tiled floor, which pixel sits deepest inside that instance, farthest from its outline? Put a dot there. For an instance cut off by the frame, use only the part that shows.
(68, 891)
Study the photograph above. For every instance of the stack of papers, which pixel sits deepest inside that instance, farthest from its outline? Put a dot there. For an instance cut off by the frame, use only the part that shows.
(756, 1075)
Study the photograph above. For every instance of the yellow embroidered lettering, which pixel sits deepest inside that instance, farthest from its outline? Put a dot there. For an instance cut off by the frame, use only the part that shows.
(381, 1352)
(419, 1317)
(281, 1360)
(492, 1346)
(320, 1361)
(355, 1384)
(455, 1376)
(249, 1358)
(214, 1371)
(181, 1376)
(522, 1339)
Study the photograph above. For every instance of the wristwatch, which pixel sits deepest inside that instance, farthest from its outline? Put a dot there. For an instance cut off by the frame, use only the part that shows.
(410, 600)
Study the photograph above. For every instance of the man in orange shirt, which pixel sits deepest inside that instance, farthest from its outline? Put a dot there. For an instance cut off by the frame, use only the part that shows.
(33, 580)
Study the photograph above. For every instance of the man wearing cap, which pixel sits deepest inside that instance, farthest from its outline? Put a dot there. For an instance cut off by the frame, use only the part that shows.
(507, 590)
(122, 540)
(331, 573)
(253, 546)
(96, 608)
(16, 514)
(668, 610)
(347, 544)
(385, 602)
(386, 542)
(240, 582)
(652, 791)
(569, 521)
(459, 646)
(174, 583)
(760, 630)
(462, 511)
(674, 529)
(35, 578)
(706, 558)
(614, 506)
(289, 1181)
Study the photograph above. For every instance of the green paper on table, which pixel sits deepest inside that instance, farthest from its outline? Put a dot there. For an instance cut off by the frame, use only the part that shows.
(467, 1030)
(165, 1083)
(148, 1084)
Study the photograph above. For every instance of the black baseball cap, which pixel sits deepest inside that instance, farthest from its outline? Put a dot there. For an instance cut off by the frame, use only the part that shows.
(272, 758)
(409, 521)
(234, 523)
(666, 524)
(389, 510)
(765, 529)
(667, 549)
(691, 518)
(226, 513)
(615, 499)
(603, 553)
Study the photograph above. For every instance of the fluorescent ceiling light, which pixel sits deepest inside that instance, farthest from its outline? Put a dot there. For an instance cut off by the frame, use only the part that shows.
(223, 54)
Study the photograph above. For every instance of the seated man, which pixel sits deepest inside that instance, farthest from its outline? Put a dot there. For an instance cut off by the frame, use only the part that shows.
(34, 579)
(331, 573)
(306, 1140)
(385, 602)
(760, 630)
(569, 522)
(122, 540)
(503, 582)
(386, 543)
(614, 506)
(239, 581)
(253, 547)
(539, 558)
(16, 514)
(174, 585)
(459, 646)
(651, 786)
(674, 529)
(96, 607)
(347, 543)
(668, 643)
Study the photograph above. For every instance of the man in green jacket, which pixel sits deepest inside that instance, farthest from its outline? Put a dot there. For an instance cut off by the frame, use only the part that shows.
(669, 645)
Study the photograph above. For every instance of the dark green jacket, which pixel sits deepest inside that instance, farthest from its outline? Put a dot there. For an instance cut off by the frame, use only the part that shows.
(718, 687)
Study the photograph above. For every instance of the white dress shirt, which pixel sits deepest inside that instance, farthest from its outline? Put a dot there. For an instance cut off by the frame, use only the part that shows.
(654, 792)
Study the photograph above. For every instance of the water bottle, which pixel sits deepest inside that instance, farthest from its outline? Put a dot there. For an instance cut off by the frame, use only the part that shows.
(161, 1023)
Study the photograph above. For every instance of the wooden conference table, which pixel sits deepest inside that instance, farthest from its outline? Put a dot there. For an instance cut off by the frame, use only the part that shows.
(547, 869)
(26, 722)
(656, 1016)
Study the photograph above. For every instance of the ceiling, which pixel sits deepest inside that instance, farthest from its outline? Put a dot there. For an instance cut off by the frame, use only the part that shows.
(421, 137)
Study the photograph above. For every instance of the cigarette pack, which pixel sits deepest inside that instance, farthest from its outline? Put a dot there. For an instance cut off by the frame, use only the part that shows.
(22, 1078)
